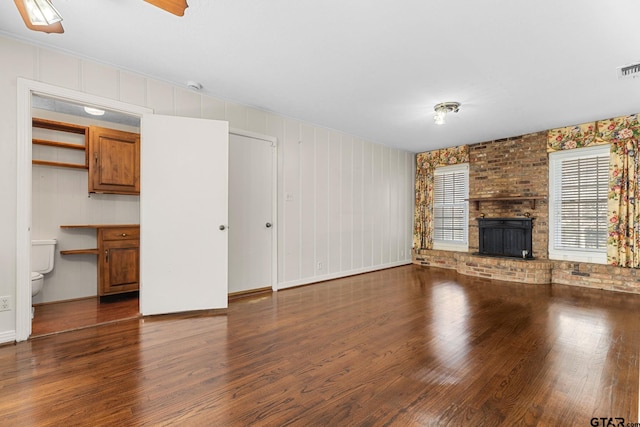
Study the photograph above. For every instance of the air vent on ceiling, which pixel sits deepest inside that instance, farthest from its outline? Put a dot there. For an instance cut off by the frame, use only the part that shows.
(630, 71)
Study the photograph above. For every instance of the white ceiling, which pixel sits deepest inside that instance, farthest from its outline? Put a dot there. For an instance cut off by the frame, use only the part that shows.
(375, 68)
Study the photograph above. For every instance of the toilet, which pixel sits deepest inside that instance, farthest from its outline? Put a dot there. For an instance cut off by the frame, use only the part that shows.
(42, 256)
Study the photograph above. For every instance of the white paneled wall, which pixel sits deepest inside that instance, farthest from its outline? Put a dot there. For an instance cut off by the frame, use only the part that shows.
(345, 204)
(352, 212)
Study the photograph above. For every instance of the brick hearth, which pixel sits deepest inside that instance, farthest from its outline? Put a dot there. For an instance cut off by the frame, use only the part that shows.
(509, 269)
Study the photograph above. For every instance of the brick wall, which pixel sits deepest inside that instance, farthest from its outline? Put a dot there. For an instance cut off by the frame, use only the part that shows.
(506, 167)
(435, 258)
(519, 166)
(597, 276)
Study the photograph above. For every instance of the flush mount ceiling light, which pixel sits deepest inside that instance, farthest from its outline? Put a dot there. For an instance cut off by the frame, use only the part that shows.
(442, 109)
(94, 111)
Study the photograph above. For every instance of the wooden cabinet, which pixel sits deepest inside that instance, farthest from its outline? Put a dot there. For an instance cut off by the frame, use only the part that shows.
(118, 251)
(111, 156)
(118, 260)
(114, 161)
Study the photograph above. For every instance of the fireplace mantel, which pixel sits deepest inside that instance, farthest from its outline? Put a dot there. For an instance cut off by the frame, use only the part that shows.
(530, 199)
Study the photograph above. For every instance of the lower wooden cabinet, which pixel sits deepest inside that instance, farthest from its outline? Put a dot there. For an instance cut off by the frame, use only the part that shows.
(118, 254)
(118, 260)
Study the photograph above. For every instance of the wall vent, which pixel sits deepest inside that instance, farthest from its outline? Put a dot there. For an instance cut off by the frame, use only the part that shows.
(630, 71)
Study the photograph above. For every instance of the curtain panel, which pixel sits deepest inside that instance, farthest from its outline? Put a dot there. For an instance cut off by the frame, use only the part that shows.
(623, 243)
(622, 133)
(426, 164)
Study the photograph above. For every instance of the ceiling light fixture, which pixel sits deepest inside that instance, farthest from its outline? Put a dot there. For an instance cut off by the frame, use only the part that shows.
(94, 111)
(30, 12)
(42, 12)
(442, 109)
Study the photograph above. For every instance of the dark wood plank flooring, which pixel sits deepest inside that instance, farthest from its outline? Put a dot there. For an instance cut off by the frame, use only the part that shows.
(65, 316)
(405, 346)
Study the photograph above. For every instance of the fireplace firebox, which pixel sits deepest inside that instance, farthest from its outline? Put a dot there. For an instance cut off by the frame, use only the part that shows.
(510, 237)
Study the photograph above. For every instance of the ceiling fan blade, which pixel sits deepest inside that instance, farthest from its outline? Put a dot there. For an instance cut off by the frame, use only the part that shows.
(177, 7)
(52, 28)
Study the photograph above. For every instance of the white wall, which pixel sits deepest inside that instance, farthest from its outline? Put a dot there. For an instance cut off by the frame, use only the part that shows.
(343, 201)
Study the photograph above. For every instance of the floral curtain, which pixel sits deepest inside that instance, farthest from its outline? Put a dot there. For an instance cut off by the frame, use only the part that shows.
(426, 163)
(623, 133)
(623, 243)
(570, 137)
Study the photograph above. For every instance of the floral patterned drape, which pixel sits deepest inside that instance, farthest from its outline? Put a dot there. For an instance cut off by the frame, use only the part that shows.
(570, 137)
(623, 133)
(623, 244)
(426, 164)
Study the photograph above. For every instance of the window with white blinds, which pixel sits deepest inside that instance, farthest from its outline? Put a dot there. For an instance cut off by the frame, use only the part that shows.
(579, 185)
(450, 209)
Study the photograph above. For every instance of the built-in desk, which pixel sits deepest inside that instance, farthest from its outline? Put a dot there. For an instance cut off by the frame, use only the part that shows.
(118, 251)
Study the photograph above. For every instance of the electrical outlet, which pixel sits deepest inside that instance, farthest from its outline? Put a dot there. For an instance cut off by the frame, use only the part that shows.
(319, 265)
(5, 303)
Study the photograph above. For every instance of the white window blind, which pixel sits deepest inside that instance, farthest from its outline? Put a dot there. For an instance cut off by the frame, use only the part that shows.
(580, 188)
(450, 209)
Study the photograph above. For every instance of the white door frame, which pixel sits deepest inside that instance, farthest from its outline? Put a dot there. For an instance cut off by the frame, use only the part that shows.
(274, 195)
(26, 88)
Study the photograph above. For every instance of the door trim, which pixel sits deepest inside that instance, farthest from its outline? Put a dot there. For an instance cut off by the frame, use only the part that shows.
(26, 88)
(274, 197)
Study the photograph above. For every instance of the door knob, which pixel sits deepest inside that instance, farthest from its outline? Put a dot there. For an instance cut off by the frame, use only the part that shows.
(268, 225)
(222, 228)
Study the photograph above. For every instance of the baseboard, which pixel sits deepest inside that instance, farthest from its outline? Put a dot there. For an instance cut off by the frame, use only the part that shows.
(341, 274)
(7, 336)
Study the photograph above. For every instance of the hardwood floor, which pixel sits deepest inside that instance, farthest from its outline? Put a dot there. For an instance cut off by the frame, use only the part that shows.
(405, 346)
(77, 314)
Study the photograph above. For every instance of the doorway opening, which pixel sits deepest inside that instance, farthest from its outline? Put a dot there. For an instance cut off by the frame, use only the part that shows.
(34, 94)
(64, 204)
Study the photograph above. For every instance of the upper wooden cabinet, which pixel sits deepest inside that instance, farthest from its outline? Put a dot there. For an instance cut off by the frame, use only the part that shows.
(114, 161)
(112, 156)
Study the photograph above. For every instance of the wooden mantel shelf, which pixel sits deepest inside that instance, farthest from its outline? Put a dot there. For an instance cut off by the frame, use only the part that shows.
(531, 199)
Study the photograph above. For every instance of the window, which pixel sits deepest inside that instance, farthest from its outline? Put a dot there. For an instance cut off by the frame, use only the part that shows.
(578, 186)
(450, 209)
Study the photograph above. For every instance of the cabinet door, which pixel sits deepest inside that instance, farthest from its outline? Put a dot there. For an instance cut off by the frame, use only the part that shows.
(114, 161)
(120, 266)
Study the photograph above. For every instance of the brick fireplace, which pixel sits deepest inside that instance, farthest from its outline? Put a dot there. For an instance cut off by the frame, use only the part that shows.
(508, 180)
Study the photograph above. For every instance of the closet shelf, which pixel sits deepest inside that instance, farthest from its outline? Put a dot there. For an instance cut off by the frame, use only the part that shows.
(58, 144)
(59, 126)
(80, 252)
(62, 127)
(59, 164)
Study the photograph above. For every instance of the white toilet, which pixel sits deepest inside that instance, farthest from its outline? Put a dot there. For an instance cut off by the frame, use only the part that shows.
(42, 256)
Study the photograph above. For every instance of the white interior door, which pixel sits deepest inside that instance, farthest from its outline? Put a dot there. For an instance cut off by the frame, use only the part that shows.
(251, 221)
(183, 205)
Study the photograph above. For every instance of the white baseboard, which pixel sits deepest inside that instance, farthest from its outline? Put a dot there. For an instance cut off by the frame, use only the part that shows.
(7, 336)
(322, 278)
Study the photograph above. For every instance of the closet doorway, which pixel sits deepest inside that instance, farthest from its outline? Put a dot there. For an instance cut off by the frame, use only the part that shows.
(60, 197)
(252, 213)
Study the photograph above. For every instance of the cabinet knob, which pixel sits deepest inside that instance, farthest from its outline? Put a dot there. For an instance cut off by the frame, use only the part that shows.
(268, 225)
(124, 234)
(222, 228)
